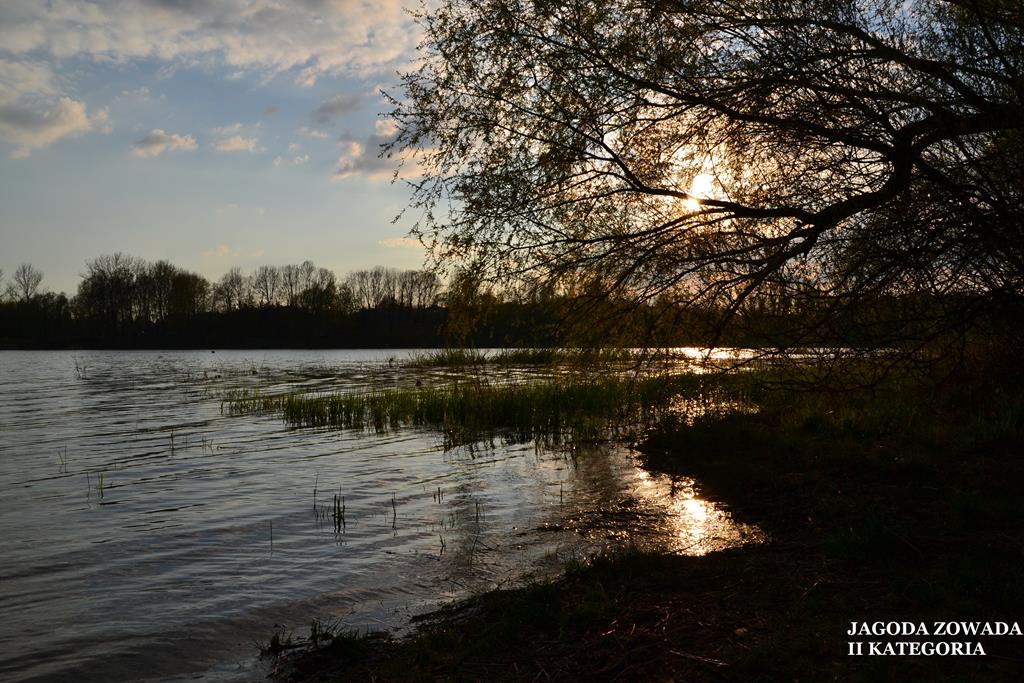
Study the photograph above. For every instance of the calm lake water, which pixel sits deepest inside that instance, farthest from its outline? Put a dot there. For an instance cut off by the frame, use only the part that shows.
(144, 535)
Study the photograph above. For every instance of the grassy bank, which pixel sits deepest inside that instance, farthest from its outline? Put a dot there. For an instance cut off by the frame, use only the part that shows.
(899, 502)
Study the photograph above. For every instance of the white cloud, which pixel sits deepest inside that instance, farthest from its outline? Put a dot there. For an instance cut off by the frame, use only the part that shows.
(140, 94)
(217, 251)
(312, 133)
(385, 128)
(20, 79)
(101, 121)
(32, 128)
(237, 143)
(228, 130)
(238, 137)
(364, 157)
(33, 111)
(158, 141)
(296, 160)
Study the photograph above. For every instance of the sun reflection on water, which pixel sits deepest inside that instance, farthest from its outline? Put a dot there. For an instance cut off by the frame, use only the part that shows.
(691, 525)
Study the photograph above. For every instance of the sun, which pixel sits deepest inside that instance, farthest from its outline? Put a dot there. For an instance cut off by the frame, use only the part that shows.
(700, 188)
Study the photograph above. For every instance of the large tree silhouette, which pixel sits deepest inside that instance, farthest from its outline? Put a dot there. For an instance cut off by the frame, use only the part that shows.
(810, 154)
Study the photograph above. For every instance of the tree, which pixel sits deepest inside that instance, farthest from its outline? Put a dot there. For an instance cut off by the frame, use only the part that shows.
(108, 293)
(291, 285)
(321, 294)
(189, 295)
(160, 277)
(831, 156)
(232, 290)
(266, 283)
(27, 279)
(375, 288)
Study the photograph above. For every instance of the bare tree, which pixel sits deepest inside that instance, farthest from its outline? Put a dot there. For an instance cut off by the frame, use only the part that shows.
(374, 288)
(345, 299)
(27, 279)
(161, 275)
(267, 284)
(406, 286)
(321, 294)
(291, 284)
(426, 288)
(717, 152)
(232, 290)
(358, 282)
(307, 275)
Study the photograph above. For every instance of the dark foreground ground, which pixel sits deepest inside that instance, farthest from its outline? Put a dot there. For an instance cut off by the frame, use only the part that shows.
(897, 503)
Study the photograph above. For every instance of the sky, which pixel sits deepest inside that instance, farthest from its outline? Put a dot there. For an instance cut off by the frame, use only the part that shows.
(211, 133)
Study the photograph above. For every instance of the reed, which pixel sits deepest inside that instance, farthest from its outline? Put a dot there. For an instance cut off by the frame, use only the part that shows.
(459, 357)
(568, 409)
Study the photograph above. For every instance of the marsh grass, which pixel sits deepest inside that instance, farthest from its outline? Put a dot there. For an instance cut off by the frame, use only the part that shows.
(321, 634)
(902, 404)
(462, 358)
(569, 409)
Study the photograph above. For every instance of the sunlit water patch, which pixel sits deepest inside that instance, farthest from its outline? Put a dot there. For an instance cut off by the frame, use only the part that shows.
(146, 535)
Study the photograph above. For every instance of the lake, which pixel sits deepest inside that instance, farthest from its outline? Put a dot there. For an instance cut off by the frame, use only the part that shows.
(147, 535)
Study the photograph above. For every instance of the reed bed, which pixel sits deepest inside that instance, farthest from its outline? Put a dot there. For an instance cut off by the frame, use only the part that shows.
(510, 357)
(560, 410)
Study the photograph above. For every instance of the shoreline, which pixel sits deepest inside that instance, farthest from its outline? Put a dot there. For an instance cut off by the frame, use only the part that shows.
(865, 524)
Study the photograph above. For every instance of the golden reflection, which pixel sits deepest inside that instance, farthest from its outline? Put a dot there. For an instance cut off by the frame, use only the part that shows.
(697, 509)
(691, 409)
(692, 525)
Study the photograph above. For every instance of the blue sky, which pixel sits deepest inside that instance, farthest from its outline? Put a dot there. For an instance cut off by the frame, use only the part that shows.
(212, 134)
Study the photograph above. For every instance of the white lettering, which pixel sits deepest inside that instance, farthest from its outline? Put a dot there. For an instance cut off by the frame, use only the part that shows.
(941, 648)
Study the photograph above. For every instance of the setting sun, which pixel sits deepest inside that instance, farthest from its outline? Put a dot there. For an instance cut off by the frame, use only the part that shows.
(700, 188)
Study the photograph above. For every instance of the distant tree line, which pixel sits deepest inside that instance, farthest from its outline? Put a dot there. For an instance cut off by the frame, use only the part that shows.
(127, 302)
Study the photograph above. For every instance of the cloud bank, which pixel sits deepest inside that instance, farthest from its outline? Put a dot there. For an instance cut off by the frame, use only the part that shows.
(307, 38)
